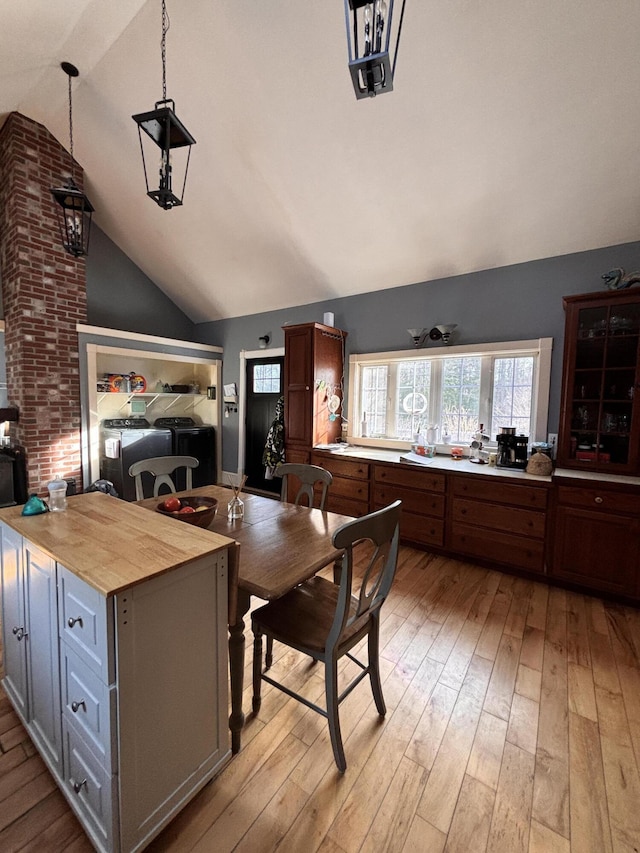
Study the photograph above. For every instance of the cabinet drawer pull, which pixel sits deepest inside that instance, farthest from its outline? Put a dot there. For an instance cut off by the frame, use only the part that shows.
(78, 786)
(598, 500)
(75, 706)
(71, 621)
(18, 633)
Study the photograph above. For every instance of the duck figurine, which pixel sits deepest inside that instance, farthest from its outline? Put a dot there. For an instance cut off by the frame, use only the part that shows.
(617, 280)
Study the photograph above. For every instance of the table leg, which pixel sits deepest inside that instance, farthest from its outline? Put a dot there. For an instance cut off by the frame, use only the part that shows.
(236, 669)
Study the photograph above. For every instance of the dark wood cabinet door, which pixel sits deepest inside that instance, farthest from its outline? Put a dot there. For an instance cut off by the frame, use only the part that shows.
(600, 417)
(298, 379)
(313, 376)
(597, 549)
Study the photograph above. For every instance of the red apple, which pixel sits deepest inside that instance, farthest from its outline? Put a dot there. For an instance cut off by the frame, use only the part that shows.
(186, 509)
(171, 505)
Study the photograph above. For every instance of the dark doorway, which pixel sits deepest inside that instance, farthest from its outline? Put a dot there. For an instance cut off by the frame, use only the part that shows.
(264, 389)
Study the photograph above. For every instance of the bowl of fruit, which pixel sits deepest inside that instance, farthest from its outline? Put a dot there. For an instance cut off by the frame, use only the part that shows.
(194, 510)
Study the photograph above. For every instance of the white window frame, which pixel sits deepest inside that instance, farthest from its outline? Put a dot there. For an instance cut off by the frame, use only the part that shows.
(540, 348)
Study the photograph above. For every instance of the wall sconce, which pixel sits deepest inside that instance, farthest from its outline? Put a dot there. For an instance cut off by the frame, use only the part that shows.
(437, 333)
(442, 333)
(370, 67)
(164, 127)
(264, 341)
(75, 210)
(418, 336)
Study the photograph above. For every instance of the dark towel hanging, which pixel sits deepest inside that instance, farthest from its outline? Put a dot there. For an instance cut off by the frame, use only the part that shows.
(274, 448)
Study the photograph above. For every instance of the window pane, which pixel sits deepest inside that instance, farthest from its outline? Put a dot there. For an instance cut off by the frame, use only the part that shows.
(460, 397)
(512, 394)
(266, 379)
(412, 398)
(374, 399)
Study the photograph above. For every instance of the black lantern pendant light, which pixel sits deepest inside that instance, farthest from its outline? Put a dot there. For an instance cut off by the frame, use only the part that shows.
(369, 41)
(164, 127)
(75, 210)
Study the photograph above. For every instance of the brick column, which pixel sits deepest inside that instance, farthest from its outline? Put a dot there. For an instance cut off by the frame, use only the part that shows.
(44, 297)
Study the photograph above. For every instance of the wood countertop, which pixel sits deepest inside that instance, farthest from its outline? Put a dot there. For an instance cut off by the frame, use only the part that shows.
(112, 544)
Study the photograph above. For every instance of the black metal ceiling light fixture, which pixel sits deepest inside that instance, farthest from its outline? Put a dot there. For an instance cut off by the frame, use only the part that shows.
(369, 30)
(163, 126)
(74, 210)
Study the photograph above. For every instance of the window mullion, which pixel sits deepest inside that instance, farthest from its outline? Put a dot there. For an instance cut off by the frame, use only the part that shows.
(486, 384)
(392, 393)
(435, 397)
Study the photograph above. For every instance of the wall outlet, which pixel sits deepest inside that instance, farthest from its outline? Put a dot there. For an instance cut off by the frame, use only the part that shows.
(552, 438)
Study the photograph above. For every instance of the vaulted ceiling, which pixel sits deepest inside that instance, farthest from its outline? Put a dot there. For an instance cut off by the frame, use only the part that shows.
(513, 133)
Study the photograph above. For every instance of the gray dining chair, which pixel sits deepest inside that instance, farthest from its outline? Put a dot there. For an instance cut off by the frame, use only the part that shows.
(325, 620)
(308, 476)
(161, 467)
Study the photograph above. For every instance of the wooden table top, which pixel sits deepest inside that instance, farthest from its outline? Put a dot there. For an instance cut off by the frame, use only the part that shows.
(112, 544)
(281, 544)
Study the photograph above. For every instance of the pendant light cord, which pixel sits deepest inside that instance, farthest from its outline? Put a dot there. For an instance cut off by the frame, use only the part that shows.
(166, 23)
(71, 128)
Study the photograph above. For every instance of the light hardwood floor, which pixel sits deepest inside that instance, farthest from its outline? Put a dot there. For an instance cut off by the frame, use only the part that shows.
(513, 726)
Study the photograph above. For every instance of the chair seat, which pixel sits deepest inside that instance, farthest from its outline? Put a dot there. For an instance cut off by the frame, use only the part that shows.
(303, 617)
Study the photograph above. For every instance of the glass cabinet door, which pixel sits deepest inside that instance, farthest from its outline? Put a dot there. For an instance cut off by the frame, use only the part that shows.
(601, 385)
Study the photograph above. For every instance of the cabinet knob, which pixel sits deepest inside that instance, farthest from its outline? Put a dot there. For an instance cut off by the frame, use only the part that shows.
(78, 786)
(75, 706)
(18, 633)
(71, 621)
(598, 500)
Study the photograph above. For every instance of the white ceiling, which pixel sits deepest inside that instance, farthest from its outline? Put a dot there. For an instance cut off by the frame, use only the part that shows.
(513, 134)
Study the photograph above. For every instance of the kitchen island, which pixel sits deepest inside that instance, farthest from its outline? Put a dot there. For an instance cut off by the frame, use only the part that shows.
(114, 629)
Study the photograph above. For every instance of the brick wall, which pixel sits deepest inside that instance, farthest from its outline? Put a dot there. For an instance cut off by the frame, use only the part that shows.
(44, 297)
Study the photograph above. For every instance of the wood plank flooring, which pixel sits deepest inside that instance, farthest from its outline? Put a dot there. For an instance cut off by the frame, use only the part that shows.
(512, 726)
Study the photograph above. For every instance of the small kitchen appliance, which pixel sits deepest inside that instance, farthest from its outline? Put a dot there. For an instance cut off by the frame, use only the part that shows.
(512, 449)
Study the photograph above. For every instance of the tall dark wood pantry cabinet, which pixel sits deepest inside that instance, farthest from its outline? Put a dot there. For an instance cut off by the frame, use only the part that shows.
(313, 387)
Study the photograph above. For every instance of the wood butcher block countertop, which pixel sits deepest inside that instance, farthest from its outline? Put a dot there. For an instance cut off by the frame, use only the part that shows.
(112, 544)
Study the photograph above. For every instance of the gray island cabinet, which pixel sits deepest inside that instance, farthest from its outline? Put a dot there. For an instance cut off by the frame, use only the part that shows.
(114, 629)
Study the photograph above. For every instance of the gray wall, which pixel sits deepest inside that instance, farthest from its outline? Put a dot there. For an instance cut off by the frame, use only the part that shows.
(511, 303)
(121, 296)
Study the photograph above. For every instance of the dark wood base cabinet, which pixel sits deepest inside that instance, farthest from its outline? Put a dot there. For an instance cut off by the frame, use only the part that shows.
(349, 491)
(497, 521)
(423, 501)
(597, 538)
(575, 531)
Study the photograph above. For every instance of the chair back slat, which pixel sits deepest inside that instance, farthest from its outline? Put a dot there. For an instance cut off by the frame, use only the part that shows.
(308, 476)
(381, 530)
(162, 467)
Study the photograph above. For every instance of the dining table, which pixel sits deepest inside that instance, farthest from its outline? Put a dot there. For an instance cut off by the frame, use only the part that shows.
(275, 546)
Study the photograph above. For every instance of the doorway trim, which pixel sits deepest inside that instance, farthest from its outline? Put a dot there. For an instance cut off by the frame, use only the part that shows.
(247, 355)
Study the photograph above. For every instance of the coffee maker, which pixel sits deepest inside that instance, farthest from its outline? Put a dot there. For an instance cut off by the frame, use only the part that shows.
(512, 449)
